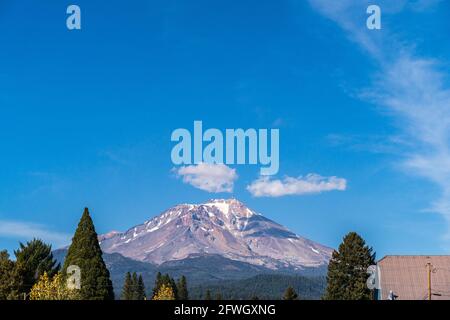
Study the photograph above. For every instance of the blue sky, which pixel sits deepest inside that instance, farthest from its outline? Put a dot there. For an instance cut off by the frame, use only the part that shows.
(86, 116)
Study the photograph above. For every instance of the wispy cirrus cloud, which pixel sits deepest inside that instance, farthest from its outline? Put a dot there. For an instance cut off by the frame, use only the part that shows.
(309, 184)
(23, 231)
(378, 144)
(414, 89)
(208, 177)
(410, 87)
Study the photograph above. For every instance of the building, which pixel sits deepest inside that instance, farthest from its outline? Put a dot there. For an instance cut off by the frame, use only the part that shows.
(407, 278)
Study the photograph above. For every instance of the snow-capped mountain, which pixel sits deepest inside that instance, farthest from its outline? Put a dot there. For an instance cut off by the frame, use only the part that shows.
(224, 227)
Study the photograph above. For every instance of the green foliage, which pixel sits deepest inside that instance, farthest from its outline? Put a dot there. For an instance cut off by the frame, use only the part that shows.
(140, 293)
(133, 288)
(266, 286)
(127, 290)
(85, 253)
(290, 294)
(182, 289)
(208, 295)
(8, 284)
(173, 285)
(33, 260)
(203, 272)
(134, 284)
(346, 278)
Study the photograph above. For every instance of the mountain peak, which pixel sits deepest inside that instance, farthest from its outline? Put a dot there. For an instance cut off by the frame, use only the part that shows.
(230, 206)
(219, 226)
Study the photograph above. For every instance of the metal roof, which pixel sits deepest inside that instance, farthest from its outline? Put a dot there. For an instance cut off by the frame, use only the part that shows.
(407, 277)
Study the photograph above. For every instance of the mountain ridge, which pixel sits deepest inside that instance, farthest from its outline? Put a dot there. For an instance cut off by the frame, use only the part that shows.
(224, 227)
(210, 271)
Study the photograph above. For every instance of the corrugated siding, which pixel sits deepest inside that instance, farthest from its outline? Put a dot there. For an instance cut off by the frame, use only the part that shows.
(406, 276)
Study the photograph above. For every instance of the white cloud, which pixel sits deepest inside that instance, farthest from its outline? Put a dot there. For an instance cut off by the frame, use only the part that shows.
(412, 89)
(209, 177)
(27, 231)
(311, 183)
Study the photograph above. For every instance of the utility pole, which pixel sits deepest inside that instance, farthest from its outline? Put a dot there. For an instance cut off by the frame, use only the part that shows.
(429, 266)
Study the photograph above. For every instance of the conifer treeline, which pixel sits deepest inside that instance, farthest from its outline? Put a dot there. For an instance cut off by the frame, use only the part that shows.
(133, 288)
(172, 290)
(33, 260)
(36, 275)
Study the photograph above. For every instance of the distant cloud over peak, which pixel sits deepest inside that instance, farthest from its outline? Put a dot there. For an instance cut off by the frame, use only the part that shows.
(309, 184)
(208, 177)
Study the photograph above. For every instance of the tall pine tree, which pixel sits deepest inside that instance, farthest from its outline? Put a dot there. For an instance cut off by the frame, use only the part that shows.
(140, 294)
(182, 289)
(127, 290)
(134, 282)
(347, 270)
(171, 282)
(85, 253)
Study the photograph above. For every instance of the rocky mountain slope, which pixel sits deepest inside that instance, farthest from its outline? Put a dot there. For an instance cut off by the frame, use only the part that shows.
(218, 227)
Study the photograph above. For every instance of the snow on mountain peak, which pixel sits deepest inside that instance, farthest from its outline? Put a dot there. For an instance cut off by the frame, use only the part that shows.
(222, 206)
(219, 226)
(230, 206)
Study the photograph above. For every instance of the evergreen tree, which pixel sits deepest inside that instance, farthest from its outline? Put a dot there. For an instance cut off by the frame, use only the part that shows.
(134, 284)
(85, 253)
(133, 288)
(18, 291)
(33, 260)
(208, 295)
(127, 290)
(182, 289)
(171, 282)
(347, 270)
(7, 283)
(140, 289)
(219, 296)
(290, 294)
(254, 297)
